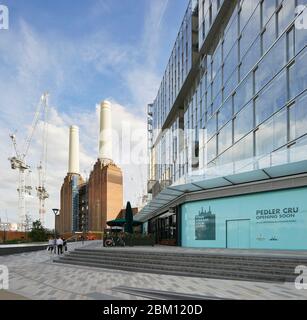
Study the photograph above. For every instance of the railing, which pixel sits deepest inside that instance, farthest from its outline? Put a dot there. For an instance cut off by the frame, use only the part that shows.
(296, 153)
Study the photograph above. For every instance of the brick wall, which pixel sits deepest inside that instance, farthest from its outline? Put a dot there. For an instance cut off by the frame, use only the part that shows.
(105, 194)
(12, 235)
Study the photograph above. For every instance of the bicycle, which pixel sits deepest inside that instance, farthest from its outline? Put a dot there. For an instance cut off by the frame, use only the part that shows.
(117, 242)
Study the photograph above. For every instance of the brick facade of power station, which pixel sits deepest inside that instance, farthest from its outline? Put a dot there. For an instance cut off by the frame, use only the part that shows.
(87, 206)
(105, 194)
(104, 199)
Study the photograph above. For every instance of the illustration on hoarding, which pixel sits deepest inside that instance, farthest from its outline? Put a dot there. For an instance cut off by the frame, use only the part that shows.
(205, 225)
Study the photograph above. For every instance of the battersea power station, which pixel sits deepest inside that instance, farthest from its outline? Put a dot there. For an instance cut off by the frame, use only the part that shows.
(86, 206)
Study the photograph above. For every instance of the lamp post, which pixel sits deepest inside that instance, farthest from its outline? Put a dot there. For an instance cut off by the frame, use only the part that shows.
(56, 213)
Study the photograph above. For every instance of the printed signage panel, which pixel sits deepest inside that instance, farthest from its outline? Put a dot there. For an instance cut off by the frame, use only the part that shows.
(276, 220)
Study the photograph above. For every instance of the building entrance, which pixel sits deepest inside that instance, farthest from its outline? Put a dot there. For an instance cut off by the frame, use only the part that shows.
(165, 229)
(238, 234)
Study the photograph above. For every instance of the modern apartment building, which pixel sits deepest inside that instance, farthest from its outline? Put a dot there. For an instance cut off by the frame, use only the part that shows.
(227, 131)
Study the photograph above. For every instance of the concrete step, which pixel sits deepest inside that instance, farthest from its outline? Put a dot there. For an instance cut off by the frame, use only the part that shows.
(191, 272)
(186, 267)
(223, 266)
(243, 257)
(195, 260)
(184, 262)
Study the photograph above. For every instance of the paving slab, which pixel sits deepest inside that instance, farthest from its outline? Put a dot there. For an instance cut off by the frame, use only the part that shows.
(34, 276)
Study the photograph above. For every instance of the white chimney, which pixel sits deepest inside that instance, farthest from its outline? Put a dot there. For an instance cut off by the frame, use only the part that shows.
(105, 137)
(73, 162)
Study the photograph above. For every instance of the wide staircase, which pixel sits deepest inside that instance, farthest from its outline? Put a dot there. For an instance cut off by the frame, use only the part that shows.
(205, 265)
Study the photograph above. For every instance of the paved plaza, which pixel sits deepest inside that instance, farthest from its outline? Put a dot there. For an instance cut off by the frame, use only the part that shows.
(35, 276)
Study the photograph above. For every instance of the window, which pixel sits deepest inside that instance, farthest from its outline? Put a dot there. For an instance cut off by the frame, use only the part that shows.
(231, 35)
(250, 33)
(209, 94)
(290, 44)
(226, 158)
(225, 138)
(298, 75)
(268, 8)
(298, 118)
(272, 98)
(217, 59)
(272, 62)
(250, 59)
(264, 137)
(247, 9)
(211, 127)
(243, 94)
(244, 122)
(217, 84)
(225, 113)
(285, 15)
(217, 102)
(272, 134)
(268, 36)
(231, 84)
(231, 62)
(301, 34)
(244, 149)
(280, 129)
(211, 149)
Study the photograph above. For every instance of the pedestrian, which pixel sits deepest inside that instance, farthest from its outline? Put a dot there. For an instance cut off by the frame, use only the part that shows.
(65, 244)
(50, 245)
(82, 239)
(59, 244)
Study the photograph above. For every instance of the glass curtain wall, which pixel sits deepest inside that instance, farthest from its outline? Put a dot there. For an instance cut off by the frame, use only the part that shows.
(248, 98)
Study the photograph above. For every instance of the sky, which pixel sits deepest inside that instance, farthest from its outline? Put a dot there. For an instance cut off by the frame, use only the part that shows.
(81, 52)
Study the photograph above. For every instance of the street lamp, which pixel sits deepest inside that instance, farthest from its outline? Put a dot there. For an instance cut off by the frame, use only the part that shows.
(56, 213)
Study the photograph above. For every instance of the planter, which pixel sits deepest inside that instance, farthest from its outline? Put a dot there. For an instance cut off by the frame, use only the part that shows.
(139, 242)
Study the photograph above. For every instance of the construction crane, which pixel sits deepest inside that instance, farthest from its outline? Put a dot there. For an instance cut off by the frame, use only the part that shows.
(18, 162)
(42, 193)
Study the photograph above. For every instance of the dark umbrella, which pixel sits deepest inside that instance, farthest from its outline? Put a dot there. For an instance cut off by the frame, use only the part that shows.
(129, 219)
(121, 223)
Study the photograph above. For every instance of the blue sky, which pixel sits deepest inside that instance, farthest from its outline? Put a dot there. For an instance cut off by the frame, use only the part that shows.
(81, 52)
(138, 33)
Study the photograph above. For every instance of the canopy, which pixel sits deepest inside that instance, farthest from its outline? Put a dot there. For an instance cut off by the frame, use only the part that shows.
(121, 222)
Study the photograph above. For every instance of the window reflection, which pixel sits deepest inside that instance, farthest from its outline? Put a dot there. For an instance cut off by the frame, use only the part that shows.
(225, 138)
(243, 84)
(272, 98)
(244, 122)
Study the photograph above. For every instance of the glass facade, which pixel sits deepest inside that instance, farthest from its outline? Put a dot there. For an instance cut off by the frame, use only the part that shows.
(247, 98)
(75, 202)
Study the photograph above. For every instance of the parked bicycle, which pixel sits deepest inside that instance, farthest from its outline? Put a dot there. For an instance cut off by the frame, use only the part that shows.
(114, 242)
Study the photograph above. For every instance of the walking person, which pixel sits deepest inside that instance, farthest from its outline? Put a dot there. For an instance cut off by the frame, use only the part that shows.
(50, 245)
(65, 244)
(59, 244)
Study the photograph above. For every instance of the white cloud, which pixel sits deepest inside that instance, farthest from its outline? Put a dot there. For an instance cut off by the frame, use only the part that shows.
(134, 175)
(30, 63)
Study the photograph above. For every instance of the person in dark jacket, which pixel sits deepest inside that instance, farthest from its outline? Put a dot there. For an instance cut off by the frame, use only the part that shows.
(65, 244)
